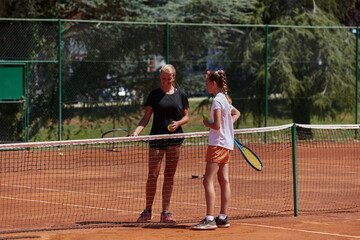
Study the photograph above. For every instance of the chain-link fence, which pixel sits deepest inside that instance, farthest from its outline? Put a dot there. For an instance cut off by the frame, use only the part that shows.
(86, 77)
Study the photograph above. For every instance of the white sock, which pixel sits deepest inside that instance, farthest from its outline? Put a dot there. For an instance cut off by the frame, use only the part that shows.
(222, 216)
(209, 218)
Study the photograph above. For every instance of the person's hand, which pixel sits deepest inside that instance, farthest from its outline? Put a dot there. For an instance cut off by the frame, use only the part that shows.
(173, 126)
(206, 120)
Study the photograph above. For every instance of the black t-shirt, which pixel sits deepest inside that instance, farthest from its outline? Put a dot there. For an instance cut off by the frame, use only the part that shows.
(166, 108)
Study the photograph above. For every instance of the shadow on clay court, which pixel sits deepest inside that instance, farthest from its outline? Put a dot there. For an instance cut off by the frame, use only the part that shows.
(134, 224)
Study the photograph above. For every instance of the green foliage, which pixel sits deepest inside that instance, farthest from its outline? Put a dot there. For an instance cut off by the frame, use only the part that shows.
(308, 66)
(65, 9)
(207, 11)
(281, 11)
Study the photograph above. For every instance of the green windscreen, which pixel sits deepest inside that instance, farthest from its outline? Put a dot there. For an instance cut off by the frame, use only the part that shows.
(11, 82)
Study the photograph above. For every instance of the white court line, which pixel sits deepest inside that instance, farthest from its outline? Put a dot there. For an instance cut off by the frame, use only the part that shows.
(80, 206)
(104, 195)
(341, 217)
(299, 161)
(299, 230)
(315, 170)
(68, 191)
(66, 204)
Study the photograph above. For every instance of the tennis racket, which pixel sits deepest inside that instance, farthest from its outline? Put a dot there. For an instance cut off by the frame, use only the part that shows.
(119, 132)
(249, 156)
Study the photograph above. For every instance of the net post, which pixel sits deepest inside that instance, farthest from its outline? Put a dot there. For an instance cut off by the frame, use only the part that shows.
(295, 186)
(357, 78)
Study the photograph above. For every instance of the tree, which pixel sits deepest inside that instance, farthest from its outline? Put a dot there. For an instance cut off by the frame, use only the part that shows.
(36, 40)
(352, 17)
(99, 55)
(308, 66)
(148, 41)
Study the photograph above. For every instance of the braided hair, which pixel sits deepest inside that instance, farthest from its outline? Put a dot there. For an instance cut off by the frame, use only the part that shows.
(220, 78)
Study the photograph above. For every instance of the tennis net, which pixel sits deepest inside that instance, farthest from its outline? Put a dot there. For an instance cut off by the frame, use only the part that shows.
(328, 167)
(102, 182)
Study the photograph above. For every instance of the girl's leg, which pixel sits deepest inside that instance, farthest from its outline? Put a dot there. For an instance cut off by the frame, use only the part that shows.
(209, 179)
(223, 178)
(155, 157)
(172, 159)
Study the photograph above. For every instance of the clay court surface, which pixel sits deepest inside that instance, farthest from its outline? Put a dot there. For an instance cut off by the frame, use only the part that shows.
(315, 226)
(102, 192)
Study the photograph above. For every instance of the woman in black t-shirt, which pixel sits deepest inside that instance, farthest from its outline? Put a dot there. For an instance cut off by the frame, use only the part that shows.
(170, 108)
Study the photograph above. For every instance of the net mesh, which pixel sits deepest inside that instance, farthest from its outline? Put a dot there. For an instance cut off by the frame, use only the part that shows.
(102, 182)
(328, 167)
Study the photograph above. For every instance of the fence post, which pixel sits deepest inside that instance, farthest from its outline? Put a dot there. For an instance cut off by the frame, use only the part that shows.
(167, 43)
(266, 77)
(59, 69)
(27, 112)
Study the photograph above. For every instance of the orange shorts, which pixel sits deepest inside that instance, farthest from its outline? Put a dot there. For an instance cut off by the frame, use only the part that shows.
(218, 154)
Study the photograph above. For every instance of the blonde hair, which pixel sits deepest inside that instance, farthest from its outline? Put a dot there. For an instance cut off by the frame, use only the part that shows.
(169, 69)
(220, 78)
